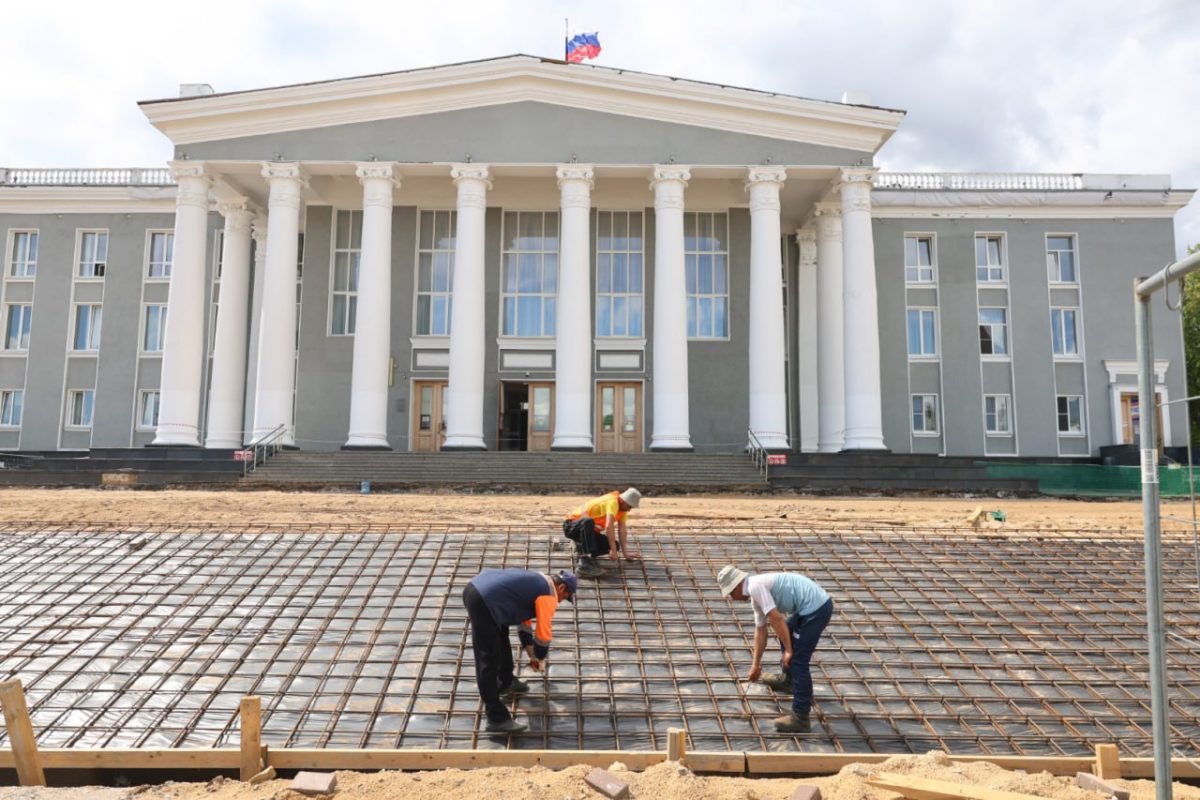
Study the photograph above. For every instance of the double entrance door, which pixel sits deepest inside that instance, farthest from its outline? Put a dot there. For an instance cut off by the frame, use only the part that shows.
(526, 416)
(619, 417)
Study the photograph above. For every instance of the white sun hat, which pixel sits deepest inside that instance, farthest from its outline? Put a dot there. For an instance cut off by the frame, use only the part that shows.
(631, 497)
(730, 577)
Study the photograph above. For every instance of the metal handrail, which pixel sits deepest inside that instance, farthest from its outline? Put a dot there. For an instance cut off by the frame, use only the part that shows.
(265, 446)
(758, 454)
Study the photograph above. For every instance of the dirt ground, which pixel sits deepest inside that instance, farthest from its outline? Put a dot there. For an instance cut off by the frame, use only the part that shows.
(175, 508)
(666, 781)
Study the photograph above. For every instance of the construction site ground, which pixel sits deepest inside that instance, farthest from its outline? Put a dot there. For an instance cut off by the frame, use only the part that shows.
(137, 619)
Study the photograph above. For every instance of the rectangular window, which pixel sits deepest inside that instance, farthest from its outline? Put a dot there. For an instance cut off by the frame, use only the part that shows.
(706, 258)
(922, 335)
(93, 254)
(347, 249)
(17, 321)
(529, 273)
(87, 327)
(1060, 259)
(435, 272)
(925, 413)
(1070, 413)
(162, 254)
(989, 258)
(23, 258)
(1063, 332)
(619, 249)
(156, 329)
(11, 402)
(993, 331)
(996, 418)
(148, 410)
(918, 259)
(80, 403)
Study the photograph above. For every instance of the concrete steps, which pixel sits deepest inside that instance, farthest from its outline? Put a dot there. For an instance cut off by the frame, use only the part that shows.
(835, 473)
(141, 466)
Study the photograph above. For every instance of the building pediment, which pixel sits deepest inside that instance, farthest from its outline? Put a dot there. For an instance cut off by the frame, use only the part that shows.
(519, 79)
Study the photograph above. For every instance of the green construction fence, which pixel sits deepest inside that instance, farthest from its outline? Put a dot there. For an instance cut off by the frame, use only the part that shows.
(1095, 480)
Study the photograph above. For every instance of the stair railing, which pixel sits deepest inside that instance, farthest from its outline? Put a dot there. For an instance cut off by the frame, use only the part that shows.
(758, 454)
(262, 448)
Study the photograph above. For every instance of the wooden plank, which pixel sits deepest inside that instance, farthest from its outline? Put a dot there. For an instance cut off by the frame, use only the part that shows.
(267, 774)
(324, 758)
(930, 789)
(1108, 762)
(716, 762)
(20, 734)
(67, 758)
(676, 744)
(250, 713)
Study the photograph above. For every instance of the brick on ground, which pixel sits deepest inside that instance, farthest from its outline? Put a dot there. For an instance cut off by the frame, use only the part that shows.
(1086, 780)
(607, 784)
(806, 792)
(314, 783)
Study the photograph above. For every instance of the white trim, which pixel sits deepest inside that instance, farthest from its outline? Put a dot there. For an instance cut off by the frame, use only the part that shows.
(1008, 434)
(1116, 367)
(1082, 211)
(87, 200)
(148, 249)
(521, 79)
(937, 413)
(933, 259)
(1004, 259)
(1115, 390)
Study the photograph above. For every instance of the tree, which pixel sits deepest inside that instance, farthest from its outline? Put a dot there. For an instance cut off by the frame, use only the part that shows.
(1191, 345)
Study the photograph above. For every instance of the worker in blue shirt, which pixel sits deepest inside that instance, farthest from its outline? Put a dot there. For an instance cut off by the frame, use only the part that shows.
(797, 609)
(495, 600)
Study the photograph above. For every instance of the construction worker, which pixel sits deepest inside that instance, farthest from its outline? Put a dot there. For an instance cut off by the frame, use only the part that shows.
(496, 599)
(602, 515)
(797, 609)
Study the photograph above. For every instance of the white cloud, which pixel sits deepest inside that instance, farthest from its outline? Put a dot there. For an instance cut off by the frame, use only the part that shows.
(1073, 85)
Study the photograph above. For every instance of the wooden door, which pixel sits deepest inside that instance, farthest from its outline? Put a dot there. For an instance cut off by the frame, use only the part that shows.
(619, 417)
(428, 416)
(1131, 422)
(541, 416)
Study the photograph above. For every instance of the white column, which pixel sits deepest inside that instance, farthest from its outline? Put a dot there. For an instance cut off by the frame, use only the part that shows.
(373, 316)
(259, 233)
(806, 241)
(768, 353)
(831, 380)
(183, 347)
(464, 423)
(274, 394)
(573, 339)
(864, 405)
(227, 390)
(670, 375)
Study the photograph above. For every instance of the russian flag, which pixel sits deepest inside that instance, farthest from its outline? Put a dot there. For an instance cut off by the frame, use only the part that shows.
(583, 45)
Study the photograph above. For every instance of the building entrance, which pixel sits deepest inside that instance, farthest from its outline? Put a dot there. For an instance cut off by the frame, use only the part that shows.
(526, 416)
(428, 416)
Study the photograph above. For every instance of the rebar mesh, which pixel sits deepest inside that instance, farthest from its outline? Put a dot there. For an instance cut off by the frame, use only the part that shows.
(995, 644)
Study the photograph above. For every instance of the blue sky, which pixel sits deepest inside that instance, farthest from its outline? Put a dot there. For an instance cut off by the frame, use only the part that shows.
(1004, 85)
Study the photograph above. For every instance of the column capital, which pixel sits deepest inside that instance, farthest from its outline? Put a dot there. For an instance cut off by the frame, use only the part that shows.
(858, 175)
(765, 174)
(575, 186)
(806, 240)
(575, 172)
(763, 184)
(381, 170)
(379, 180)
(670, 172)
(283, 170)
(668, 184)
(827, 209)
(193, 180)
(189, 169)
(471, 172)
(258, 229)
(237, 214)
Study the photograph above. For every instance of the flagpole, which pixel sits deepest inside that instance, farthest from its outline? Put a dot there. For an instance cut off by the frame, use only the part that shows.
(566, 35)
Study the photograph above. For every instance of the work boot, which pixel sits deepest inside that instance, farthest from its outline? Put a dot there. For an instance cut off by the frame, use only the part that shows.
(518, 686)
(793, 722)
(507, 726)
(779, 681)
(588, 568)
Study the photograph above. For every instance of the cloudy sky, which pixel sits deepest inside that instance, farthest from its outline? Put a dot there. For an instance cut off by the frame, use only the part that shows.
(1010, 85)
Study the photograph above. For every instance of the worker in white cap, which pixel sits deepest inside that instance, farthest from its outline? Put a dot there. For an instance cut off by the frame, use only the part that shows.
(598, 528)
(797, 609)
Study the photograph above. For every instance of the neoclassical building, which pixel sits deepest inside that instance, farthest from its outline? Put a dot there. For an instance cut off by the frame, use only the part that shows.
(521, 253)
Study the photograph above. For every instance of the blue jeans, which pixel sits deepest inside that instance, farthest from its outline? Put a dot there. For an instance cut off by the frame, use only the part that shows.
(806, 632)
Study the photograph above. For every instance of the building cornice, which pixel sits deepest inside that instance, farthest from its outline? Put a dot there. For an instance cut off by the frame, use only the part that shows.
(521, 79)
(87, 200)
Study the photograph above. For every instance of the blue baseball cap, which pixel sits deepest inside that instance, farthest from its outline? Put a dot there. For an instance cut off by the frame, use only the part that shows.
(571, 582)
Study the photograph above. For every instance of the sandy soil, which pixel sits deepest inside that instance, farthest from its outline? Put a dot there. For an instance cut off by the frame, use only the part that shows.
(175, 508)
(667, 781)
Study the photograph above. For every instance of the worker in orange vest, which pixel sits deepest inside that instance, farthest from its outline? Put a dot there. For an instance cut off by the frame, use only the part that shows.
(598, 528)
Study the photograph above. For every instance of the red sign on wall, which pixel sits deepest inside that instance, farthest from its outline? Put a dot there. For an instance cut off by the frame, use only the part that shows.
(777, 460)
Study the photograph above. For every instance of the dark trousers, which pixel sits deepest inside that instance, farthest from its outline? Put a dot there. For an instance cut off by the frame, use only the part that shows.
(588, 542)
(493, 655)
(805, 632)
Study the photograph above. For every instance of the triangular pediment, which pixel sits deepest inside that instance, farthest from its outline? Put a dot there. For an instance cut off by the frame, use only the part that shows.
(520, 79)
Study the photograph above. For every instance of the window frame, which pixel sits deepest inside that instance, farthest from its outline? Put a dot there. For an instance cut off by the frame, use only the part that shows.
(922, 311)
(1078, 401)
(166, 264)
(162, 325)
(69, 423)
(10, 260)
(349, 314)
(913, 414)
(693, 256)
(994, 356)
(1058, 280)
(433, 251)
(94, 329)
(143, 396)
(931, 238)
(542, 295)
(80, 238)
(999, 432)
(1058, 332)
(25, 331)
(7, 407)
(1002, 238)
(628, 296)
